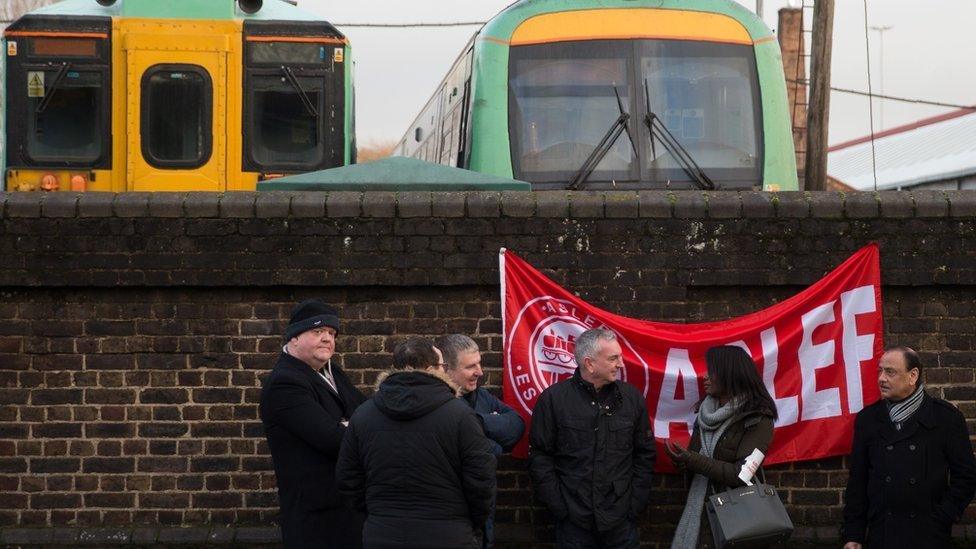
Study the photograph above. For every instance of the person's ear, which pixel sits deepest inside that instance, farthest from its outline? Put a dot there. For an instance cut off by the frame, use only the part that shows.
(914, 375)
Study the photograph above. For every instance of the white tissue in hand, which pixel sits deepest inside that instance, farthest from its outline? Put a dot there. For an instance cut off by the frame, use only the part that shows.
(751, 465)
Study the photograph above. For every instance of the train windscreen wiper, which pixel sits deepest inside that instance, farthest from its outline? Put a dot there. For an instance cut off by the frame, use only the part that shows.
(673, 146)
(55, 84)
(613, 133)
(290, 77)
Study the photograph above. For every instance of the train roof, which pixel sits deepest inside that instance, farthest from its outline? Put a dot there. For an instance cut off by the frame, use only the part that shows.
(502, 26)
(178, 9)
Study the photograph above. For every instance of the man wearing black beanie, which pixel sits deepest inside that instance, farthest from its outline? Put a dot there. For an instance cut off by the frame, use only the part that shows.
(306, 403)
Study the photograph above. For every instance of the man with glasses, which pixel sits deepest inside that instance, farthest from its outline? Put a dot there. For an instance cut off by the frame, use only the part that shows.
(912, 471)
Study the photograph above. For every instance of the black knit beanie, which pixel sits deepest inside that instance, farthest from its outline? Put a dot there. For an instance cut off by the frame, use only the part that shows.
(309, 315)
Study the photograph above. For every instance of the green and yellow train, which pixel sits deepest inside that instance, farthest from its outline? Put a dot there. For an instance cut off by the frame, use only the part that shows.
(628, 94)
(151, 95)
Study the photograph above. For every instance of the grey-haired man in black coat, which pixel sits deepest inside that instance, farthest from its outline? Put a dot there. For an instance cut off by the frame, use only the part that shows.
(912, 468)
(306, 403)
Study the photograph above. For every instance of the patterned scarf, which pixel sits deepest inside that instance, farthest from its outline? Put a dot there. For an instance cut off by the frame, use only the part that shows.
(903, 409)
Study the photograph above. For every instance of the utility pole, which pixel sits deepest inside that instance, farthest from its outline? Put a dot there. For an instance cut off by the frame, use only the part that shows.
(759, 8)
(818, 118)
(881, 29)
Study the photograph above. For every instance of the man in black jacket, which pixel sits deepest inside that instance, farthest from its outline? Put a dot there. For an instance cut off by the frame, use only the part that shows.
(503, 426)
(305, 405)
(592, 449)
(912, 468)
(416, 460)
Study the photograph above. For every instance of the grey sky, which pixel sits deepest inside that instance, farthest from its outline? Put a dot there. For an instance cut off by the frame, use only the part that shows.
(925, 57)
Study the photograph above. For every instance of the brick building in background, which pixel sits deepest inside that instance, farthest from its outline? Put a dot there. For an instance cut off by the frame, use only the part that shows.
(134, 329)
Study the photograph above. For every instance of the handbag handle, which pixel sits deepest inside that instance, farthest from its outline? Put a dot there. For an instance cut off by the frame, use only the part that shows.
(759, 472)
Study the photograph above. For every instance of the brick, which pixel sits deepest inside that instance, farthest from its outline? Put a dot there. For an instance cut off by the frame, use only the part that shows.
(792, 204)
(344, 204)
(23, 204)
(184, 535)
(756, 204)
(656, 203)
(103, 535)
(54, 465)
(237, 204)
(586, 204)
(264, 534)
(201, 204)
(379, 204)
(896, 204)
(518, 204)
(447, 204)
(162, 465)
(109, 430)
(132, 204)
(930, 203)
(162, 430)
(413, 204)
(552, 203)
(163, 396)
(483, 204)
(96, 204)
(862, 205)
(60, 205)
(166, 204)
(724, 205)
(273, 204)
(826, 205)
(108, 465)
(110, 396)
(689, 204)
(622, 204)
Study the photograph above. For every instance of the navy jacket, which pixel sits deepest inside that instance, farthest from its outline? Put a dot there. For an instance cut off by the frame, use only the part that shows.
(503, 426)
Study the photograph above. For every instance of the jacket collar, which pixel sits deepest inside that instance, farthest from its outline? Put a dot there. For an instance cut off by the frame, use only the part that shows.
(437, 374)
(310, 372)
(924, 417)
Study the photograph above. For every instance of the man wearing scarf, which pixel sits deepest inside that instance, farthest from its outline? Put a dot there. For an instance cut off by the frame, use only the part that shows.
(912, 471)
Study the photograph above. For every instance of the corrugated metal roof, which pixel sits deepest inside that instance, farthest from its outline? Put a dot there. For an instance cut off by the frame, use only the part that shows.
(933, 149)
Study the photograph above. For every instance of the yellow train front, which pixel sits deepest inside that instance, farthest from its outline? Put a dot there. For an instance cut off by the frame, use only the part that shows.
(175, 95)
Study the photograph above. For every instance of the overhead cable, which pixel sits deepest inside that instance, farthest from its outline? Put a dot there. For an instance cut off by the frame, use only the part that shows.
(411, 25)
(891, 97)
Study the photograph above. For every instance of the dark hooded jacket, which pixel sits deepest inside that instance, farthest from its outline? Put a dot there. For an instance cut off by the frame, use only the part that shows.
(416, 460)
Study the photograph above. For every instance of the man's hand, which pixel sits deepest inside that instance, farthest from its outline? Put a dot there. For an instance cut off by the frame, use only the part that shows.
(852, 545)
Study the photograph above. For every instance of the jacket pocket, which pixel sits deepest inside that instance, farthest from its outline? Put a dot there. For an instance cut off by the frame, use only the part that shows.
(622, 433)
(575, 433)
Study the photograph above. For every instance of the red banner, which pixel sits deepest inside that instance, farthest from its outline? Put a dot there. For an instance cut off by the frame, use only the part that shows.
(817, 354)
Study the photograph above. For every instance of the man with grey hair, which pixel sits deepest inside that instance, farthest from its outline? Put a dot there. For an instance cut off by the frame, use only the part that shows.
(502, 424)
(592, 449)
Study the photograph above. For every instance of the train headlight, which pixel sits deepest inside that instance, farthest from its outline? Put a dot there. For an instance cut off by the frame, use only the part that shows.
(79, 183)
(49, 182)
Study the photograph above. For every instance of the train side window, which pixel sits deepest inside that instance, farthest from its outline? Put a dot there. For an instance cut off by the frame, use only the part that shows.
(177, 116)
(64, 116)
(286, 110)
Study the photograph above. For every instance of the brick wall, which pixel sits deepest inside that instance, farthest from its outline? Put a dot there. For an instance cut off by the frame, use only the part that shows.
(135, 328)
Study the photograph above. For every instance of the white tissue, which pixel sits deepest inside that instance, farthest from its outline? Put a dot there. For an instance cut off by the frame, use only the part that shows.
(751, 465)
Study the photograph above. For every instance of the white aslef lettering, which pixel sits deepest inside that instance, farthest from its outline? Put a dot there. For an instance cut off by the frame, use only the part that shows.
(826, 402)
(856, 347)
(671, 409)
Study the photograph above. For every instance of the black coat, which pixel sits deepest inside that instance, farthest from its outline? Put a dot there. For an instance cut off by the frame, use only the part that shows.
(301, 416)
(589, 463)
(416, 460)
(907, 487)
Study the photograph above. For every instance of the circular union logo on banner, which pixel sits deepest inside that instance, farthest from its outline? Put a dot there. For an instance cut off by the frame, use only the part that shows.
(542, 345)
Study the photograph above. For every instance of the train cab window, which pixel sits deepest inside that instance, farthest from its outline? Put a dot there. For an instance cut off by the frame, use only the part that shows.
(290, 52)
(706, 94)
(177, 121)
(64, 112)
(564, 98)
(285, 114)
(64, 47)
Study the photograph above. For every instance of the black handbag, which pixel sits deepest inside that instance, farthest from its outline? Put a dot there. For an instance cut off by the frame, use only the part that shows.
(748, 517)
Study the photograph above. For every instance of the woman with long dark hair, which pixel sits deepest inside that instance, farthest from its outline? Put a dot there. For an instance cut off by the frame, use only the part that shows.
(735, 417)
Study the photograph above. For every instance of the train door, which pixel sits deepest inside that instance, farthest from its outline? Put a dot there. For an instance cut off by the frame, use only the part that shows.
(176, 116)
